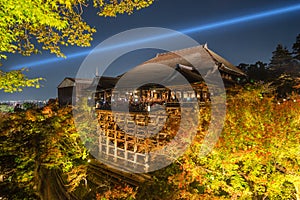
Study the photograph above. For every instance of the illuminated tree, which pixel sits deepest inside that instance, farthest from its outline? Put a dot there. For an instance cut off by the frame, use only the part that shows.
(256, 156)
(15, 80)
(30, 26)
(41, 155)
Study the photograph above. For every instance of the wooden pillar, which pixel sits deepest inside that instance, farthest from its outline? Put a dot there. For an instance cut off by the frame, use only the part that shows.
(100, 143)
(107, 144)
(115, 146)
(146, 162)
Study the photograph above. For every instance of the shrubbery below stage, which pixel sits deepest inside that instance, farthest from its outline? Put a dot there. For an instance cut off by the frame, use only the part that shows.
(256, 157)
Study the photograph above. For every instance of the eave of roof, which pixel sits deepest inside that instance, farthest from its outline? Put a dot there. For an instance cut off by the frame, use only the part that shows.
(76, 80)
(226, 64)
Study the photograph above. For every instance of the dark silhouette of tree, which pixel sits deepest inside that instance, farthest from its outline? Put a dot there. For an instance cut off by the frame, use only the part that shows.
(256, 72)
(284, 69)
(284, 85)
(280, 61)
(296, 48)
(243, 67)
(281, 56)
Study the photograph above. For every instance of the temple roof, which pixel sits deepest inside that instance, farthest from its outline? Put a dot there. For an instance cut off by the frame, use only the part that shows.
(71, 82)
(193, 54)
(192, 63)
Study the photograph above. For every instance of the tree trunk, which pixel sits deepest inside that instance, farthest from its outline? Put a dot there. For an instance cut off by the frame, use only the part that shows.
(297, 187)
(51, 185)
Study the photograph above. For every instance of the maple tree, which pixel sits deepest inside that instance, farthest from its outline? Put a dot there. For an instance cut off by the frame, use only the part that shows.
(31, 26)
(15, 80)
(39, 147)
(256, 156)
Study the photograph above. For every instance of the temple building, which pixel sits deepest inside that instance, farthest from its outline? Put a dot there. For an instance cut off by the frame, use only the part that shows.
(68, 89)
(158, 105)
(209, 63)
(102, 87)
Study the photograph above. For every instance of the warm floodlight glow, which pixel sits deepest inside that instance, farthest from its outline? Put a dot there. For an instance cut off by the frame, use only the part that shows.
(200, 28)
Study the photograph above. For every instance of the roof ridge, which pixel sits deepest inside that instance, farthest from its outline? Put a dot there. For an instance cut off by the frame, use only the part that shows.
(212, 57)
(180, 50)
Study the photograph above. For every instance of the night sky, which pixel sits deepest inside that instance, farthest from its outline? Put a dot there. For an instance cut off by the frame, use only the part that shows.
(245, 42)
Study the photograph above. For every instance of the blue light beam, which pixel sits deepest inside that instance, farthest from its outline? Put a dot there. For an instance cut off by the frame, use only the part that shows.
(228, 22)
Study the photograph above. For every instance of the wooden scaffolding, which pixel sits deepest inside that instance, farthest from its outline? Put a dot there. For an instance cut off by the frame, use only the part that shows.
(126, 139)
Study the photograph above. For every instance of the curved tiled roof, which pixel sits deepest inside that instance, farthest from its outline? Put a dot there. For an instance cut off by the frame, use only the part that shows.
(190, 63)
(206, 55)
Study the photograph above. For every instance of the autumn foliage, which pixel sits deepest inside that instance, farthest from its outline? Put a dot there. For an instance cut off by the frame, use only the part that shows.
(256, 156)
(39, 149)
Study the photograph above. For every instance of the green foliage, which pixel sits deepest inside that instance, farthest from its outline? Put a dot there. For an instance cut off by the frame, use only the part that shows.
(4, 108)
(52, 23)
(15, 81)
(115, 7)
(31, 26)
